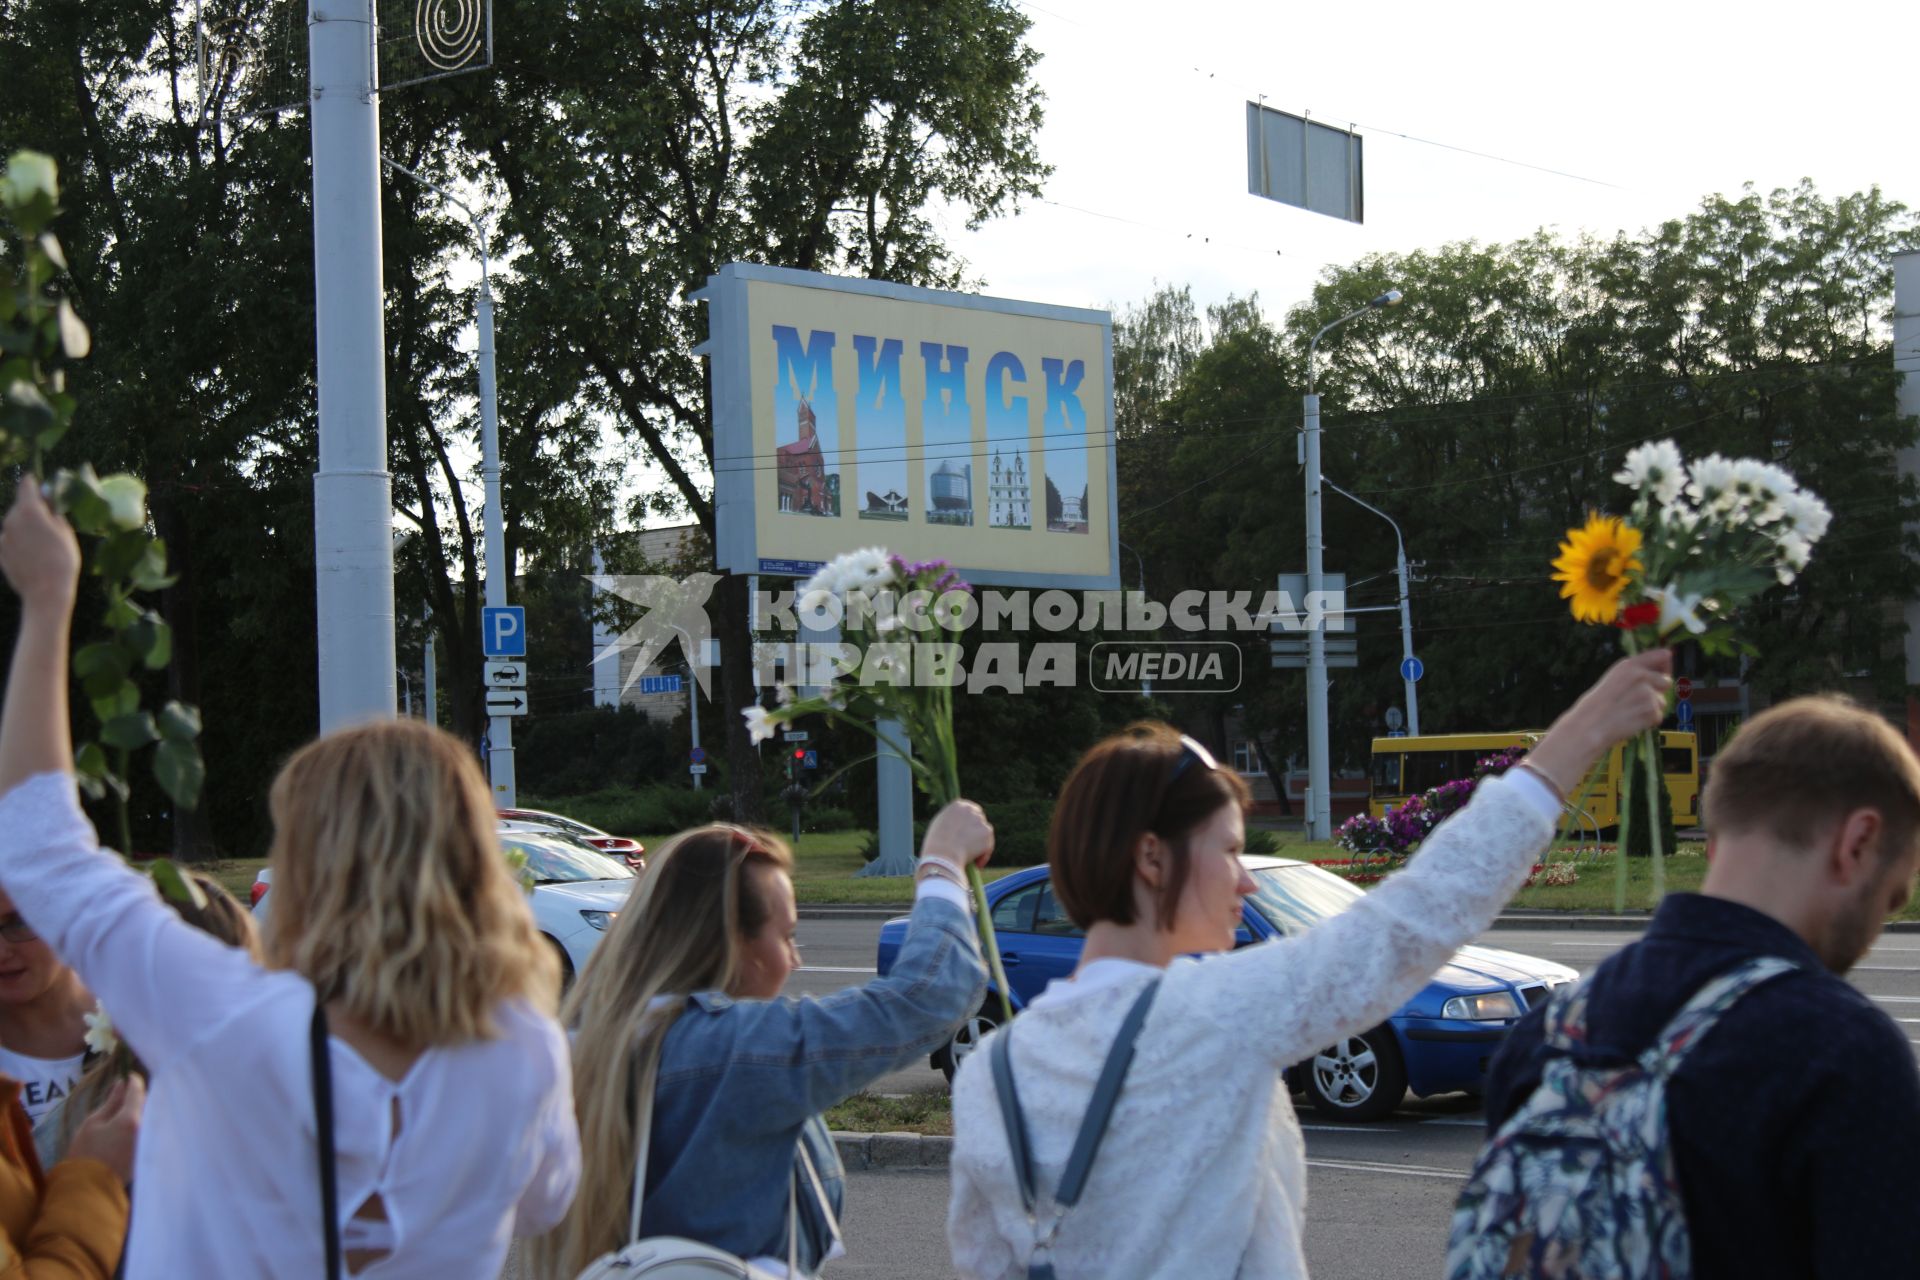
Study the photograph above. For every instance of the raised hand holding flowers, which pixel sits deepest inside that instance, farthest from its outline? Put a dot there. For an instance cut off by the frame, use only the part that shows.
(899, 643)
(1698, 542)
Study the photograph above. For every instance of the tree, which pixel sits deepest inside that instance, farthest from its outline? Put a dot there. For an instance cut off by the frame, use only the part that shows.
(1490, 412)
(815, 135)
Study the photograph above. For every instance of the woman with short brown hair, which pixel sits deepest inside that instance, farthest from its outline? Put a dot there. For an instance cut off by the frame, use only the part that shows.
(1201, 1170)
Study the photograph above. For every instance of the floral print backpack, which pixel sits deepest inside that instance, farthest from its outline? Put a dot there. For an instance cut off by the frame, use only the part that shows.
(1580, 1184)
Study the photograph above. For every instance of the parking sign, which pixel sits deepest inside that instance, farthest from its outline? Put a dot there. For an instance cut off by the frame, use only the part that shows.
(503, 631)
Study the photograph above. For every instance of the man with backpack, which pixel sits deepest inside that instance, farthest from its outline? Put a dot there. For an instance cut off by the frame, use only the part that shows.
(1715, 1100)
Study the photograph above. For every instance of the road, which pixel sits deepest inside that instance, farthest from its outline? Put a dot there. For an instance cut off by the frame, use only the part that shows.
(1379, 1196)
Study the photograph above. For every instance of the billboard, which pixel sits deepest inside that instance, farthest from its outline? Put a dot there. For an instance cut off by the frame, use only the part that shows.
(1299, 162)
(852, 413)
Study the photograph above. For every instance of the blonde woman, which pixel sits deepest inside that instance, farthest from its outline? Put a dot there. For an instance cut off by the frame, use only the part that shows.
(394, 911)
(686, 1046)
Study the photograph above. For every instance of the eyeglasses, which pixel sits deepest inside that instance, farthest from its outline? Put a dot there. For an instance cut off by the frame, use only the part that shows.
(14, 929)
(1191, 751)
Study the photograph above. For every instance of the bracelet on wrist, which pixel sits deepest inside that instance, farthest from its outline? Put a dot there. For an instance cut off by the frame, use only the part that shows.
(1552, 784)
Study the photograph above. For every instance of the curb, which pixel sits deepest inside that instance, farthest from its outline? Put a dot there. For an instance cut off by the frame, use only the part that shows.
(863, 1151)
(1576, 920)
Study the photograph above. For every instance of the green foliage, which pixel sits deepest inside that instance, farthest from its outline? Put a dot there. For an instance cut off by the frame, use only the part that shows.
(1633, 792)
(1487, 415)
(39, 332)
(574, 753)
(641, 811)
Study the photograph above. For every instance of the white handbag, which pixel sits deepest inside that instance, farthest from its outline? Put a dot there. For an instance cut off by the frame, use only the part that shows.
(676, 1258)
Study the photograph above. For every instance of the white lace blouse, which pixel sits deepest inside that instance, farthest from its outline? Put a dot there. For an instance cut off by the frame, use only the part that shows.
(476, 1144)
(1203, 1169)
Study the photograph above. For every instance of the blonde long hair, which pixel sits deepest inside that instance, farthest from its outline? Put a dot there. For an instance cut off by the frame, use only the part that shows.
(390, 891)
(681, 932)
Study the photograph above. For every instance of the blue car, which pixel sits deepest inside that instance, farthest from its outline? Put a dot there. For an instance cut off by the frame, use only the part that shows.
(1438, 1042)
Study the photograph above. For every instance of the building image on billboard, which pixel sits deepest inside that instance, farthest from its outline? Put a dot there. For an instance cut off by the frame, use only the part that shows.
(1066, 457)
(946, 428)
(880, 429)
(950, 487)
(940, 425)
(807, 418)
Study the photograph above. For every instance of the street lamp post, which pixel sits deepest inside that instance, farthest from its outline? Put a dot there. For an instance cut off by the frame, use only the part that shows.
(1406, 614)
(493, 531)
(1146, 685)
(1319, 772)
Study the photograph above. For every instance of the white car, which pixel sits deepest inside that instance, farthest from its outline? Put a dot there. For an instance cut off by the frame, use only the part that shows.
(577, 892)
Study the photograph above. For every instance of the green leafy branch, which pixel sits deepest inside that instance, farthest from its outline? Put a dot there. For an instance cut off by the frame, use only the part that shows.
(39, 332)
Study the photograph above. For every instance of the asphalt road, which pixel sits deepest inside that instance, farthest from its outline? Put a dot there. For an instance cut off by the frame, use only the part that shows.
(1379, 1196)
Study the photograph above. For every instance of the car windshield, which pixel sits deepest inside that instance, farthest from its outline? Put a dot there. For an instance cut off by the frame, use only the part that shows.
(567, 825)
(552, 860)
(1294, 899)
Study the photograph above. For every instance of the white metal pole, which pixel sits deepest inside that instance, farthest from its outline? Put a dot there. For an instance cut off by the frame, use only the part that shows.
(499, 572)
(352, 491)
(1319, 771)
(693, 711)
(1406, 643)
(432, 674)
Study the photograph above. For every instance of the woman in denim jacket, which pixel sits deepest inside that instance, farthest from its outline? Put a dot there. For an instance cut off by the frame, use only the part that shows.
(680, 1008)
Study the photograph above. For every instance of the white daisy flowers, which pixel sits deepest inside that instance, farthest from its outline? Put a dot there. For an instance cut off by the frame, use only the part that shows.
(1655, 468)
(100, 1035)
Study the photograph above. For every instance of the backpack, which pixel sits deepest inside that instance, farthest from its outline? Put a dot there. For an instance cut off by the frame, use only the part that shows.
(1579, 1184)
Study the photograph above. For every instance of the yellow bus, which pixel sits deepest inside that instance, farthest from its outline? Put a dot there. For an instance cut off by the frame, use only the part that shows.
(1404, 767)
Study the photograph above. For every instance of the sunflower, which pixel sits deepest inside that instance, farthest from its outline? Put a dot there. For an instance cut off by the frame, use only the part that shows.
(1593, 566)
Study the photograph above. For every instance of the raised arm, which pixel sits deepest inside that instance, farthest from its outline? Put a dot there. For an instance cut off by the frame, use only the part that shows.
(1291, 998)
(161, 980)
(808, 1054)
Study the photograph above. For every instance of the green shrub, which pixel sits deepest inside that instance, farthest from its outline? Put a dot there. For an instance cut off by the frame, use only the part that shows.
(1262, 842)
(1639, 840)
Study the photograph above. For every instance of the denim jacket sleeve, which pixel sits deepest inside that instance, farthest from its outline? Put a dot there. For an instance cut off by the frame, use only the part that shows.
(805, 1054)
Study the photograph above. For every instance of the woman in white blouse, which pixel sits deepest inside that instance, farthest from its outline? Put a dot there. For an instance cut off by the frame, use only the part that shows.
(1203, 1171)
(451, 1095)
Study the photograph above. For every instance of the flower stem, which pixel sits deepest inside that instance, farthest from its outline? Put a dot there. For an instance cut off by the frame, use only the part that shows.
(989, 943)
(1650, 756)
(1627, 751)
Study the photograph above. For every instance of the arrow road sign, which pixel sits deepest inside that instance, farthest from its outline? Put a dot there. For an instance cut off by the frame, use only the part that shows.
(1683, 715)
(505, 675)
(506, 702)
(503, 631)
(1412, 669)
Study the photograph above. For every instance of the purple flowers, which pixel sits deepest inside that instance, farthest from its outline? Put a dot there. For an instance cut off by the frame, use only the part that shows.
(1402, 830)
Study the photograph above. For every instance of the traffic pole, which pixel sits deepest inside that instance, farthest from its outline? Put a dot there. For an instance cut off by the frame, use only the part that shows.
(352, 490)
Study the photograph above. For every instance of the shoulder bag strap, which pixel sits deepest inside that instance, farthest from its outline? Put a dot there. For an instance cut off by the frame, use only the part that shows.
(793, 1207)
(323, 1117)
(1016, 1124)
(1105, 1094)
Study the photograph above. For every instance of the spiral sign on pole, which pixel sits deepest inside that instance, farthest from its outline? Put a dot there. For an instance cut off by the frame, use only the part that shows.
(448, 31)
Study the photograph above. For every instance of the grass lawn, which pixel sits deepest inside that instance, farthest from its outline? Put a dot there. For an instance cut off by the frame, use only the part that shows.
(927, 1112)
(827, 861)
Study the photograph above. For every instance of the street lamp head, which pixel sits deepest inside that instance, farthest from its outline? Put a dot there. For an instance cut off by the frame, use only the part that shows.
(1391, 298)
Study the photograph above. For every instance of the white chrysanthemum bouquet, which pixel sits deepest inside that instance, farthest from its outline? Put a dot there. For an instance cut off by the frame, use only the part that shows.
(1698, 542)
(897, 620)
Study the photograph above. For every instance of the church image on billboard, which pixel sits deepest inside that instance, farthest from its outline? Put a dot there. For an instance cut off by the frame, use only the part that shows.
(1066, 460)
(806, 422)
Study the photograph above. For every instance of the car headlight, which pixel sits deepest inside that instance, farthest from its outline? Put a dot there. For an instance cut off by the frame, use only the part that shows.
(1490, 1006)
(599, 919)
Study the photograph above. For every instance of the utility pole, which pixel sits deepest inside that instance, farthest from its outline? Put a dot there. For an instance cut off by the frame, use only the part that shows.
(1406, 615)
(1319, 769)
(352, 491)
(493, 528)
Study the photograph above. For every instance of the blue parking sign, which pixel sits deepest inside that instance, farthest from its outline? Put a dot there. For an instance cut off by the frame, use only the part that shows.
(503, 631)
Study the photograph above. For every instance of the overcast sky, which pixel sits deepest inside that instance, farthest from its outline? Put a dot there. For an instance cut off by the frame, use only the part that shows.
(1666, 102)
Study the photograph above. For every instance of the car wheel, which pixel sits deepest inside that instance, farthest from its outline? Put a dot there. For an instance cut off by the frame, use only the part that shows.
(566, 964)
(965, 1039)
(1359, 1078)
